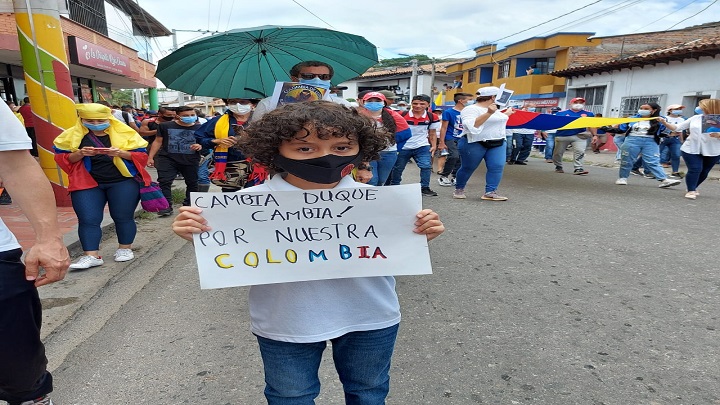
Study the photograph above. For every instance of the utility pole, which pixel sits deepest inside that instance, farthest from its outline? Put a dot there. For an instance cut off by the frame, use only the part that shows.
(414, 79)
(432, 81)
(181, 95)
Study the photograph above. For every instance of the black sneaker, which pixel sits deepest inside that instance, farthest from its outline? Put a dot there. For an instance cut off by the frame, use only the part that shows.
(165, 213)
(427, 191)
(636, 172)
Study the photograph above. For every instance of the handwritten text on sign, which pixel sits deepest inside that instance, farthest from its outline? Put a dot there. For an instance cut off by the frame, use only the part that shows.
(285, 236)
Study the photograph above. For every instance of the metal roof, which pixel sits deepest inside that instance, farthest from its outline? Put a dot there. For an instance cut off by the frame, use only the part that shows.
(143, 23)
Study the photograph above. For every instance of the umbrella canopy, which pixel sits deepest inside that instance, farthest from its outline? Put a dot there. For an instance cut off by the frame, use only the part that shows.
(246, 63)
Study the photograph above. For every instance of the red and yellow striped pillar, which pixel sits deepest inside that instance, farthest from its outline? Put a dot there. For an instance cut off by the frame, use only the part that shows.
(42, 47)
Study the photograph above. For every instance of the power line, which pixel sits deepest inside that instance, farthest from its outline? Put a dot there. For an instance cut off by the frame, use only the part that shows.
(232, 5)
(217, 28)
(316, 16)
(709, 5)
(665, 16)
(600, 14)
(511, 35)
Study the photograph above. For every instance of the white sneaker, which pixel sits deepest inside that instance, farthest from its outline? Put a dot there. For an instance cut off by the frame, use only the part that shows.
(621, 181)
(444, 181)
(85, 262)
(668, 183)
(124, 255)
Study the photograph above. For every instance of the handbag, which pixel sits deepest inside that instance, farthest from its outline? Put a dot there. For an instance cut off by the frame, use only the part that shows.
(492, 143)
(151, 197)
(236, 175)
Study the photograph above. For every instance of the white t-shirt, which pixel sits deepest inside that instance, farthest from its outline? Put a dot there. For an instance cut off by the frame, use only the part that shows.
(315, 311)
(697, 142)
(13, 137)
(265, 105)
(492, 128)
(420, 130)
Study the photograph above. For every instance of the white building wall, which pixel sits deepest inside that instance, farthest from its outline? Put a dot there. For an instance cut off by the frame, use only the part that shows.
(677, 82)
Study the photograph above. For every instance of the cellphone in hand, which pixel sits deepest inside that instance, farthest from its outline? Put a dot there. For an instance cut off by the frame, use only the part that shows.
(102, 150)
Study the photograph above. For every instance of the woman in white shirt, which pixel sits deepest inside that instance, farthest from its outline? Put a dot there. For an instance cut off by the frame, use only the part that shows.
(483, 137)
(701, 150)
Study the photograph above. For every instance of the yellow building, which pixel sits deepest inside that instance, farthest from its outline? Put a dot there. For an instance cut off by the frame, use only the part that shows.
(524, 67)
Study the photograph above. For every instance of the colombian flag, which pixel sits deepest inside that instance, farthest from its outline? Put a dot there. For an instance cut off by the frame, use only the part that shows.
(532, 120)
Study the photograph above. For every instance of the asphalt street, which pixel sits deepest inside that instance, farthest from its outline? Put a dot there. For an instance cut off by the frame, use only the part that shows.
(575, 291)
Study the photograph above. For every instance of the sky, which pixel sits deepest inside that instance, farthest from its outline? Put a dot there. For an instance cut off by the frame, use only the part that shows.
(437, 29)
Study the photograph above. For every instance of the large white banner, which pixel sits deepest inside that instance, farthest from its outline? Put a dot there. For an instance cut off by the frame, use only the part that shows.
(285, 236)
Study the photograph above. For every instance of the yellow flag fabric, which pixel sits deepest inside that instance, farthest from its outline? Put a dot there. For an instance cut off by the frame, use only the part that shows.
(597, 122)
(121, 136)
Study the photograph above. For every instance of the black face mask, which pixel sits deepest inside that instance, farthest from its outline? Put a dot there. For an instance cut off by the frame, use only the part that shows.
(326, 169)
(167, 118)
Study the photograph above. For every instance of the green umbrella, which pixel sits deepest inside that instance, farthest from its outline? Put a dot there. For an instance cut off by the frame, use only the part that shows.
(246, 63)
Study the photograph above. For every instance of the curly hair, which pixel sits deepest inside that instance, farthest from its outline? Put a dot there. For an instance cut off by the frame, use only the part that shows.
(329, 119)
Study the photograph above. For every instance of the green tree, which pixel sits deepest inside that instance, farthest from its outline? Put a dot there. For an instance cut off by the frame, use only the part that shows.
(121, 97)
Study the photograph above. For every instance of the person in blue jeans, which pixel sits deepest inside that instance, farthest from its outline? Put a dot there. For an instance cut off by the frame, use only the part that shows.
(550, 138)
(483, 138)
(642, 139)
(450, 131)
(670, 145)
(312, 146)
(420, 147)
(102, 157)
(375, 105)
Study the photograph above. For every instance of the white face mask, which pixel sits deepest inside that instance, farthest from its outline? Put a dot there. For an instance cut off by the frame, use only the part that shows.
(578, 106)
(240, 109)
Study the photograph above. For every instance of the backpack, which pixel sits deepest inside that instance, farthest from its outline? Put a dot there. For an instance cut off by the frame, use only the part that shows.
(126, 117)
(429, 117)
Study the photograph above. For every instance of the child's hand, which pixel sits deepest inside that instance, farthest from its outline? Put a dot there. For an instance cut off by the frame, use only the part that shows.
(429, 223)
(188, 222)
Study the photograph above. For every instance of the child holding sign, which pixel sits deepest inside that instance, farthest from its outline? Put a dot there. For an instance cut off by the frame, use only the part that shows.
(316, 145)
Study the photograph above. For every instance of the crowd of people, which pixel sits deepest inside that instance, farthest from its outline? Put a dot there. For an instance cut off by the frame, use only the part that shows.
(253, 146)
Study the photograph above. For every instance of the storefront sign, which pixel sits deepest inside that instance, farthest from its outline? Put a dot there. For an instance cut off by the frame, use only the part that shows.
(542, 102)
(88, 54)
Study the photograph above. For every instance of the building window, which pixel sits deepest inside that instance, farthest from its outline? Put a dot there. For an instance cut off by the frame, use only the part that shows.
(504, 69)
(472, 75)
(89, 13)
(630, 105)
(544, 66)
(594, 98)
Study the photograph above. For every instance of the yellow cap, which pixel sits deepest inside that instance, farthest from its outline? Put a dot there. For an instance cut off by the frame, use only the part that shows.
(92, 111)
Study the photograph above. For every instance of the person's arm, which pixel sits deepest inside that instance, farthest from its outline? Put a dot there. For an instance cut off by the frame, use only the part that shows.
(443, 131)
(32, 192)
(480, 120)
(145, 130)
(155, 147)
(428, 223)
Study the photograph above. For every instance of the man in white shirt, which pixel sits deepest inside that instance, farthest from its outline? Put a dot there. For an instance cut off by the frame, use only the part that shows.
(420, 147)
(24, 378)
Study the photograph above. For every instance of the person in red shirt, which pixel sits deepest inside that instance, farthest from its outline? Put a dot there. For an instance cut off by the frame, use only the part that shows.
(26, 111)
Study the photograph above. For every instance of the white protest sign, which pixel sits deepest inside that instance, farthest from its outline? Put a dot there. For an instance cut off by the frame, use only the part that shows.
(503, 96)
(285, 236)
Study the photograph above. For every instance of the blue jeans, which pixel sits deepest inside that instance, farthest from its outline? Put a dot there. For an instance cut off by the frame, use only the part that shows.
(382, 168)
(362, 361)
(635, 146)
(699, 167)
(471, 154)
(618, 140)
(452, 164)
(549, 145)
(522, 147)
(23, 375)
(422, 158)
(203, 170)
(122, 198)
(508, 147)
(670, 152)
